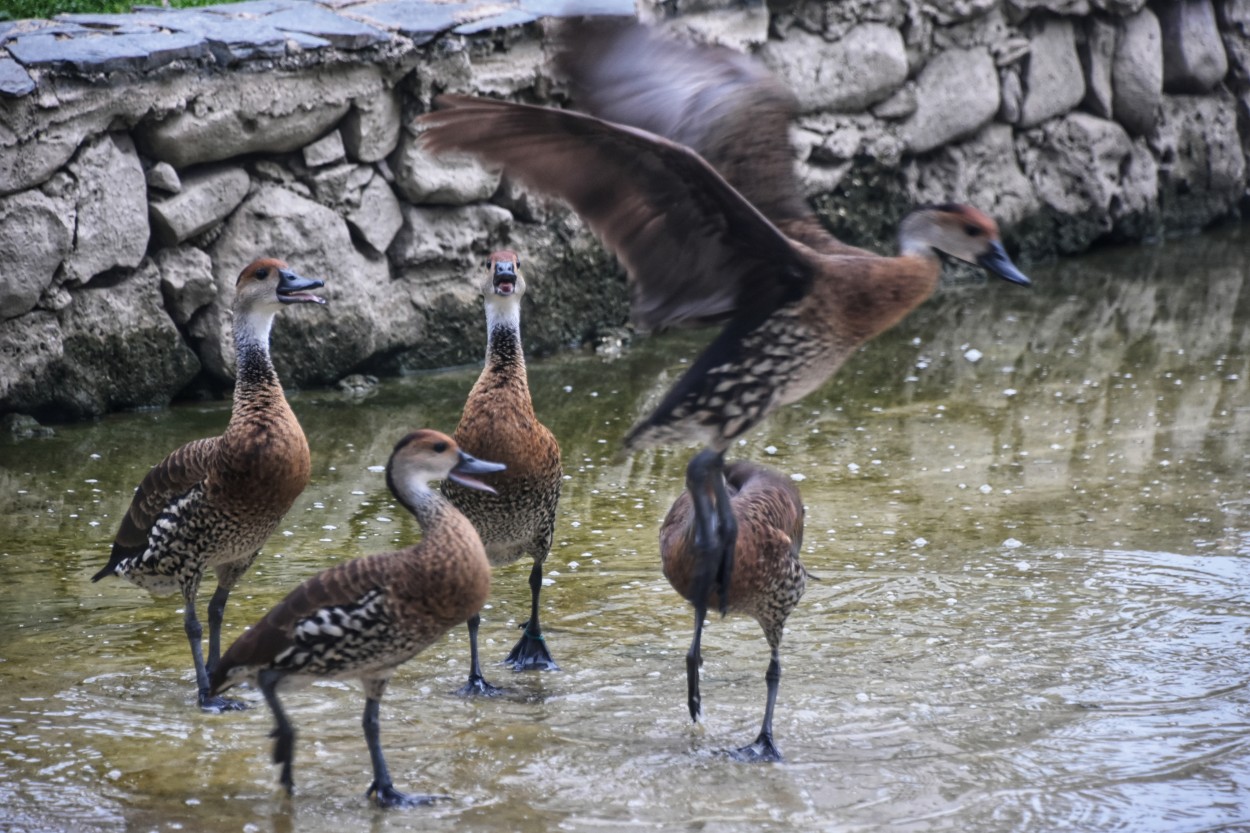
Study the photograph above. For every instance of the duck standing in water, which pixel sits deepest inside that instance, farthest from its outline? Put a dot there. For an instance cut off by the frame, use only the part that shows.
(498, 423)
(768, 578)
(213, 502)
(796, 301)
(364, 618)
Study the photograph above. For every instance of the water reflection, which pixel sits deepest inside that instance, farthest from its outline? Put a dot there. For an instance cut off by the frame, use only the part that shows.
(1029, 510)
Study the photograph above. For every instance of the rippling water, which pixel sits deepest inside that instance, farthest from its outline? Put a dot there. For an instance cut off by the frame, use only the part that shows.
(1029, 510)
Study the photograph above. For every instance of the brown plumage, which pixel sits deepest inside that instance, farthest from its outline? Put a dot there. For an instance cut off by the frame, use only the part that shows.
(767, 582)
(364, 618)
(797, 301)
(214, 502)
(498, 423)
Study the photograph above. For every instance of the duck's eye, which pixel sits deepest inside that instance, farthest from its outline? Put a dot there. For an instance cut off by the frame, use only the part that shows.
(263, 273)
(440, 447)
(973, 231)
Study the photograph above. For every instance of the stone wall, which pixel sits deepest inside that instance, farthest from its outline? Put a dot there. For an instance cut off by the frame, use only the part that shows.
(145, 158)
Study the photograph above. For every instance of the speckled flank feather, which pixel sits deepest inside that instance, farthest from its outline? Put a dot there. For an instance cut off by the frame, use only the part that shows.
(768, 577)
(766, 582)
(499, 423)
(214, 502)
(364, 618)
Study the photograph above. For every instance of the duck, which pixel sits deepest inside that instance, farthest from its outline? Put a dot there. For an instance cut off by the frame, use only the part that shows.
(793, 301)
(214, 502)
(768, 578)
(498, 422)
(363, 618)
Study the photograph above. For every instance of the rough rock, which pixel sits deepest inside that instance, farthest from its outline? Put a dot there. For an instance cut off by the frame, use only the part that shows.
(15, 81)
(311, 19)
(367, 312)
(898, 106)
(1193, 53)
(450, 179)
(1020, 9)
(340, 185)
(35, 236)
(186, 281)
(371, 129)
(112, 208)
(208, 195)
(505, 73)
(866, 66)
(28, 162)
(957, 93)
(1135, 213)
(1203, 172)
(442, 233)
(1097, 51)
(981, 171)
(325, 151)
(106, 53)
(378, 219)
(1011, 95)
(1137, 72)
(1075, 166)
(948, 12)
(273, 112)
(112, 348)
(163, 177)
(743, 27)
(1053, 80)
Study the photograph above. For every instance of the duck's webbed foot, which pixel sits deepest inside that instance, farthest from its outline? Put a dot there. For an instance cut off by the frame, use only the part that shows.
(388, 797)
(763, 750)
(530, 653)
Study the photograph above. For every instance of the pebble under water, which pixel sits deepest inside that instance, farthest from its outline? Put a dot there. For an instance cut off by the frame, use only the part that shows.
(1028, 509)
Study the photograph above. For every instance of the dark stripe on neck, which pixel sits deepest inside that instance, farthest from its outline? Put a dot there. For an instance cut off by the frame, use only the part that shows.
(503, 346)
(254, 367)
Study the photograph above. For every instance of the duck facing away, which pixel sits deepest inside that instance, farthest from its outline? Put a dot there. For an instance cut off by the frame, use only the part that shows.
(213, 502)
(498, 423)
(767, 582)
(362, 619)
(796, 301)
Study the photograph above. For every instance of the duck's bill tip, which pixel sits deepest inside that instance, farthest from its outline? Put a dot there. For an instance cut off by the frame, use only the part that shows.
(997, 263)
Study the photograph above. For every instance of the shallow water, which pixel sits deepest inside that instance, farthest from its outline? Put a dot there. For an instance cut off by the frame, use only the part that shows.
(1033, 613)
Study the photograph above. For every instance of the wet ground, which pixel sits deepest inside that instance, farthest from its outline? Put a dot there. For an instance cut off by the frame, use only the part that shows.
(1029, 510)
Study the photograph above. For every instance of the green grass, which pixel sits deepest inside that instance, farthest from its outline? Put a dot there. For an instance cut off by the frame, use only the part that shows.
(22, 9)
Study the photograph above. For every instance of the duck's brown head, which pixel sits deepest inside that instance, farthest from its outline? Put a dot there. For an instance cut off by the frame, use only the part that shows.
(504, 276)
(960, 231)
(270, 282)
(427, 455)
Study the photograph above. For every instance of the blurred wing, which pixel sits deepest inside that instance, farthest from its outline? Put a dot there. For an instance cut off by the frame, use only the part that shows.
(696, 251)
(165, 482)
(724, 105)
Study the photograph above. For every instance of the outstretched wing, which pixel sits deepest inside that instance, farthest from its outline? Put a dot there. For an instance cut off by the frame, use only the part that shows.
(724, 105)
(695, 249)
(167, 481)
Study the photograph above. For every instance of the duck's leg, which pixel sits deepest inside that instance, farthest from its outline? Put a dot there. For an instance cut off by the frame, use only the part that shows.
(694, 661)
(477, 685)
(227, 576)
(283, 733)
(715, 528)
(763, 749)
(530, 653)
(195, 637)
(382, 790)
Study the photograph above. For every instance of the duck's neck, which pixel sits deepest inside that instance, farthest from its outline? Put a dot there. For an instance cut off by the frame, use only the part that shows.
(426, 505)
(504, 353)
(256, 381)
